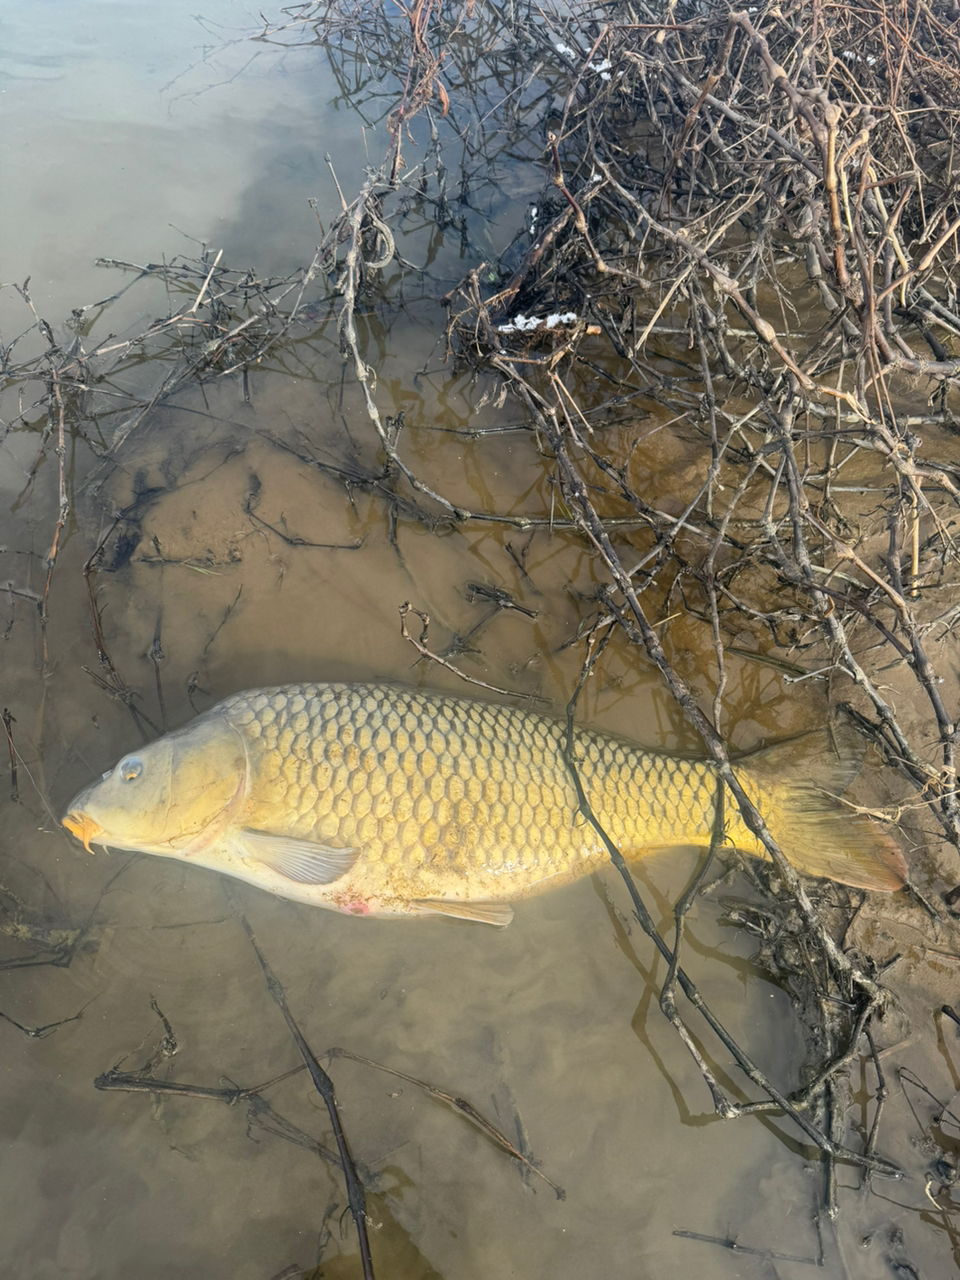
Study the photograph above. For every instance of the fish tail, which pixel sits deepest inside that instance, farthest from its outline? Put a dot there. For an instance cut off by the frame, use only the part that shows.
(794, 785)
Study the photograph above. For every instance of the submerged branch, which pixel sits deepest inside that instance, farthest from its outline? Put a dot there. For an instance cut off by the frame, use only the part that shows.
(324, 1086)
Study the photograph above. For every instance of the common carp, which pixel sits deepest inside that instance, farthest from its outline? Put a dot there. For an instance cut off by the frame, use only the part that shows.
(383, 801)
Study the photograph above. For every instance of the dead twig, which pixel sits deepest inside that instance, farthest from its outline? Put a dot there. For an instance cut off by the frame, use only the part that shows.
(324, 1086)
(420, 644)
(460, 1105)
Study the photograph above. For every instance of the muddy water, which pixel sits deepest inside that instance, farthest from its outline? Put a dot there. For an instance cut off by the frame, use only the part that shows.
(248, 564)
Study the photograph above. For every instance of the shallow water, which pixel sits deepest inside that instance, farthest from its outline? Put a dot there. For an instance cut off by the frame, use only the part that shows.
(550, 1028)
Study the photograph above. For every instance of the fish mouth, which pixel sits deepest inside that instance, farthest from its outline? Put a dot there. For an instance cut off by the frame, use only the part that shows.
(83, 827)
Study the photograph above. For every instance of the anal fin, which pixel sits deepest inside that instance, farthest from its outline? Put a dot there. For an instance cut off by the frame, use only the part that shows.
(496, 913)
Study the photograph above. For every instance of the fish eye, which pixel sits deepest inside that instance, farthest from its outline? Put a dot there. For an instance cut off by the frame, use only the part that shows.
(131, 768)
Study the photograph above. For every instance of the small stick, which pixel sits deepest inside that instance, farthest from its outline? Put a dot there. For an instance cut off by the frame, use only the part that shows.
(41, 1033)
(336, 182)
(64, 504)
(915, 539)
(89, 570)
(324, 1086)
(502, 599)
(461, 1105)
(9, 720)
(259, 1111)
(292, 540)
(123, 693)
(832, 1105)
(223, 621)
(421, 648)
(157, 656)
(736, 1247)
(668, 992)
(881, 1096)
(203, 287)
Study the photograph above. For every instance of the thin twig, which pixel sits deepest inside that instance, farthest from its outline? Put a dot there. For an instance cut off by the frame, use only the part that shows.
(324, 1086)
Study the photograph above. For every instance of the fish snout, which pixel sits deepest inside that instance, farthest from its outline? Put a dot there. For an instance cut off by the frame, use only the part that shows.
(83, 827)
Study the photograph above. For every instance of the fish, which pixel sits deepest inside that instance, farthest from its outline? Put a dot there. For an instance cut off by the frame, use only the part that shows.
(379, 800)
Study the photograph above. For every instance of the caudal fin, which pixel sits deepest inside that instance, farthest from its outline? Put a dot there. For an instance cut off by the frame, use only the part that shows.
(819, 835)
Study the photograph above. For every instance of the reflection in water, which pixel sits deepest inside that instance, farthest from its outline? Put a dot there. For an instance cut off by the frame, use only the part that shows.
(262, 541)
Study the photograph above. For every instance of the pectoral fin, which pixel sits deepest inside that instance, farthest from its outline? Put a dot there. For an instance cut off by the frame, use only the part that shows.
(495, 913)
(300, 860)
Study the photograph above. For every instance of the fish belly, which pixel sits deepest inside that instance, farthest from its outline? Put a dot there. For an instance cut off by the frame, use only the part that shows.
(448, 798)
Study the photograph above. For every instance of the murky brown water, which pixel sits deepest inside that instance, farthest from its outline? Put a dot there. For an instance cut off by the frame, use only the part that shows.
(551, 1028)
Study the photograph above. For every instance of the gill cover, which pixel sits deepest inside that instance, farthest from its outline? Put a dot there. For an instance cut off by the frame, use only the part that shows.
(165, 797)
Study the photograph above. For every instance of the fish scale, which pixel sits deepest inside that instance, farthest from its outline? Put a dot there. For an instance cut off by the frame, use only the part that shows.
(507, 809)
(379, 800)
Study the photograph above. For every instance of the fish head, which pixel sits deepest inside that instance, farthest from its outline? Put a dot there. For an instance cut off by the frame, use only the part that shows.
(169, 797)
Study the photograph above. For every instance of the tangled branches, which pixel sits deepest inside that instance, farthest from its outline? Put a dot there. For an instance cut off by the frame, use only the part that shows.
(727, 146)
(750, 225)
(774, 199)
